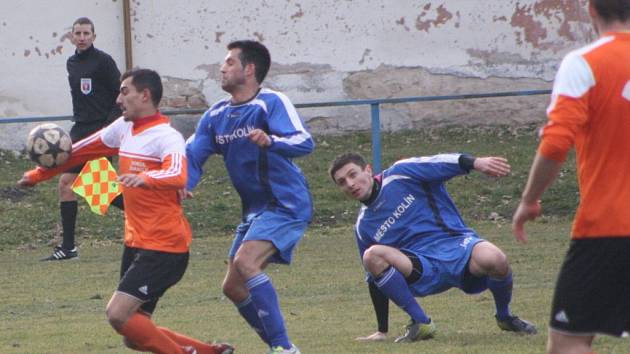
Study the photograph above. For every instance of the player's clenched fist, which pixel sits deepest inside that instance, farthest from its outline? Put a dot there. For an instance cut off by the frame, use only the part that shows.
(259, 137)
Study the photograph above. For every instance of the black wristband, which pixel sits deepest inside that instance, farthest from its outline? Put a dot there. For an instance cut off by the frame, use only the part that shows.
(466, 162)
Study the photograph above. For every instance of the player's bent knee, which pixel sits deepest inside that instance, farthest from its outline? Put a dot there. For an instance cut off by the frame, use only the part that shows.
(374, 261)
(489, 259)
(499, 264)
(116, 318)
(245, 267)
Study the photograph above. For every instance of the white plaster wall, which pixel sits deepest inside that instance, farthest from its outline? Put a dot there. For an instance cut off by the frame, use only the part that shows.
(321, 49)
(34, 46)
(518, 38)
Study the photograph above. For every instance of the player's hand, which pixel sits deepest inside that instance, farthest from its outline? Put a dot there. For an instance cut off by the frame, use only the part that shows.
(375, 337)
(260, 138)
(492, 166)
(25, 182)
(183, 194)
(525, 212)
(132, 180)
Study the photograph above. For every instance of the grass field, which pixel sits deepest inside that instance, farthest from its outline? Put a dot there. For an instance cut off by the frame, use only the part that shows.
(59, 307)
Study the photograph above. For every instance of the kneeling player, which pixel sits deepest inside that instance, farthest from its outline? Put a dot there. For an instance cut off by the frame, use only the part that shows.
(413, 242)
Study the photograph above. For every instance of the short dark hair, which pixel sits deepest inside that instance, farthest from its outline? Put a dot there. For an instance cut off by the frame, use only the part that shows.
(83, 21)
(253, 52)
(146, 79)
(612, 10)
(344, 159)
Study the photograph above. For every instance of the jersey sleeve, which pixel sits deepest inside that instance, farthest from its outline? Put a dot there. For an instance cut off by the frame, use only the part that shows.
(89, 148)
(172, 174)
(437, 168)
(199, 147)
(287, 132)
(568, 110)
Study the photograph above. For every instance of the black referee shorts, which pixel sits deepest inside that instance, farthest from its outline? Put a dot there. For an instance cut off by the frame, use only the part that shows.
(147, 274)
(592, 293)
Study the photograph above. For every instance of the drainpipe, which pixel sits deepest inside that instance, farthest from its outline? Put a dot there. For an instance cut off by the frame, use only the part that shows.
(127, 31)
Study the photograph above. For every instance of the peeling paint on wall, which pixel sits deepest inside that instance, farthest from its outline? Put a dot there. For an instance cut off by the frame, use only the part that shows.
(442, 16)
(534, 21)
(322, 50)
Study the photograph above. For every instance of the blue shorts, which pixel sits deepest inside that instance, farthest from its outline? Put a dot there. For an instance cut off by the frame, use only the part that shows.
(445, 265)
(282, 230)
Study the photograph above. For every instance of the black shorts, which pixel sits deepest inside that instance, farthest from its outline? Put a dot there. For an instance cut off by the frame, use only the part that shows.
(82, 130)
(593, 289)
(146, 274)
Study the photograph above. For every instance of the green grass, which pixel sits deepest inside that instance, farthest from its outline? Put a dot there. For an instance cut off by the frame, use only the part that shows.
(30, 220)
(59, 307)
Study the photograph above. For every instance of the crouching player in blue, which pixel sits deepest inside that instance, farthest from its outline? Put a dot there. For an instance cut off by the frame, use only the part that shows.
(413, 242)
(258, 132)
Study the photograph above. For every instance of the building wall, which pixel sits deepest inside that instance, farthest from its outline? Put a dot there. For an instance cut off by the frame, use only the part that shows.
(321, 50)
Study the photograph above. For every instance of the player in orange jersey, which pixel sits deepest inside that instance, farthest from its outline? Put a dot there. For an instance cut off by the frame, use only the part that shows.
(157, 234)
(590, 109)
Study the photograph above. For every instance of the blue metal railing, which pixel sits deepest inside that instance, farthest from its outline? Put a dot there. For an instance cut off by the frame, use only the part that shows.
(376, 103)
(373, 103)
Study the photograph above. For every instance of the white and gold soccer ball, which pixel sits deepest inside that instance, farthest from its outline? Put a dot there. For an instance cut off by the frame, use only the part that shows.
(48, 145)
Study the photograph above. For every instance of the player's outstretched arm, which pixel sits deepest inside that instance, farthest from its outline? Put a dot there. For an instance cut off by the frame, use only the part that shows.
(25, 182)
(492, 166)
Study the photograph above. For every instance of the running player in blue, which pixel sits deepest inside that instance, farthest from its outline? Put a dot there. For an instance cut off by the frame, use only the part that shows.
(258, 132)
(413, 242)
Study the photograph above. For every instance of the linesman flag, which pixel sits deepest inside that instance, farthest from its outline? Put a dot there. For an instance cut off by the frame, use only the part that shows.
(97, 184)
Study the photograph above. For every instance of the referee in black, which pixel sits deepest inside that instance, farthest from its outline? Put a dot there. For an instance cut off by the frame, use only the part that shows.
(94, 84)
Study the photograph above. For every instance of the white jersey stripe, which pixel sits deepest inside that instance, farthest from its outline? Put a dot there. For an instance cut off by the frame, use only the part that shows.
(392, 178)
(174, 170)
(293, 115)
(356, 225)
(295, 139)
(575, 77)
(445, 158)
(81, 143)
(138, 156)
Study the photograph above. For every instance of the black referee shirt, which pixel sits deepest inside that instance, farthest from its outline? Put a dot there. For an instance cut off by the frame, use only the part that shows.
(94, 85)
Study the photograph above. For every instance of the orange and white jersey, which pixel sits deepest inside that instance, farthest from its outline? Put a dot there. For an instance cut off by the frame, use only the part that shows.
(149, 146)
(590, 109)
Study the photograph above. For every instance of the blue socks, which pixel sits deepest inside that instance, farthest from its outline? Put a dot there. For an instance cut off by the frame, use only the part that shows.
(502, 292)
(249, 313)
(392, 283)
(265, 303)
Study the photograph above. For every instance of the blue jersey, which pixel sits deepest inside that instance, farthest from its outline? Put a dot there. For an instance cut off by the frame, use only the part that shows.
(265, 178)
(412, 207)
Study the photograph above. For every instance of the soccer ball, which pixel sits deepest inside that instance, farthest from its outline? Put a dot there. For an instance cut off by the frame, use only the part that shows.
(48, 145)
